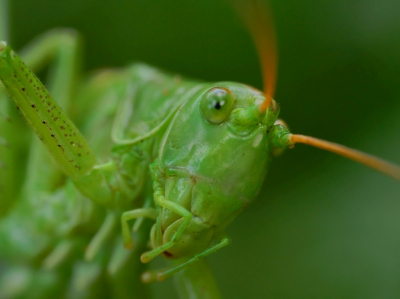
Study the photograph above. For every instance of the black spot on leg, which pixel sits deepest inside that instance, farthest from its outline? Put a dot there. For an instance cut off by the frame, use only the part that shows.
(23, 88)
(44, 122)
(33, 106)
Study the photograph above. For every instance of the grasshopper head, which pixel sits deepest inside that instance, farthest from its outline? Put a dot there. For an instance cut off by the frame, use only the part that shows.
(214, 156)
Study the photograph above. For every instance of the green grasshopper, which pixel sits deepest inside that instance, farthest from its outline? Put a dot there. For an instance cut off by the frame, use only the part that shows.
(168, 135)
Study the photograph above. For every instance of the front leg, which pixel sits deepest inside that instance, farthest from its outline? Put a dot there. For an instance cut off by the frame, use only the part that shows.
(134, 214)
(160, 200)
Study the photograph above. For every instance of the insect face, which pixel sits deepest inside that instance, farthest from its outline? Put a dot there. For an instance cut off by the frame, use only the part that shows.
(221, 124)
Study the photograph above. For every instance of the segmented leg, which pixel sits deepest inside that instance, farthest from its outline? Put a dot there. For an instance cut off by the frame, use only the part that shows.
(147, 211)
(150, 276)
(160, 200)
(165, 274)
(62, 139)
(60, 49)
(134, 214)
(58, 255)
(59, 135)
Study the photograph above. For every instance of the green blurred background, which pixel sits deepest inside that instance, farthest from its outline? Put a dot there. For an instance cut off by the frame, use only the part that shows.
(322, 227)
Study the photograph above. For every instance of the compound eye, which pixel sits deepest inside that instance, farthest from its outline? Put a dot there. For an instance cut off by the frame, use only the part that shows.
(216, 104)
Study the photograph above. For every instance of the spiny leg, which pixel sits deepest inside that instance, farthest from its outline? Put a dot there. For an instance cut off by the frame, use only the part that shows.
(39, 109)
(63, 47)
(149, 276)
(60, 47)
(59, 135)
(61, 50)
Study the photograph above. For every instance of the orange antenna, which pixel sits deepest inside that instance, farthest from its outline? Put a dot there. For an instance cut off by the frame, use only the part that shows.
(257, 17)
(369, 160)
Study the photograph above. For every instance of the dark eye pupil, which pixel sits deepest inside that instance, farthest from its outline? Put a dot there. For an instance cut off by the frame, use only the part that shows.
(217, 105)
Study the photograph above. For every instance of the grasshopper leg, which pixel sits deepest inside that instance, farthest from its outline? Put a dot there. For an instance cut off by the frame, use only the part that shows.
(57, 132)
(134, 214)
(58, 255)
(159, 198)
(150, 276)
(102, 235)
(60, 49)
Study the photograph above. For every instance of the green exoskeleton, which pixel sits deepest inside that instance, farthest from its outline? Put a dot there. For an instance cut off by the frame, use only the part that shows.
(130, 104)
(160, 147)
